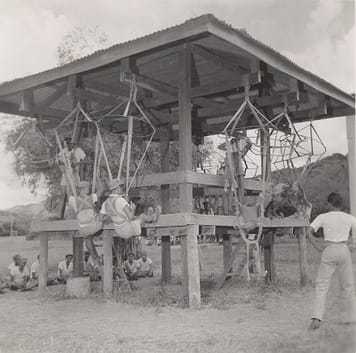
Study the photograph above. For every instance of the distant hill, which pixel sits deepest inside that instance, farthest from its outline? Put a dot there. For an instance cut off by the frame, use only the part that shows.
(330, 174)
(22, 216)
(327, 175)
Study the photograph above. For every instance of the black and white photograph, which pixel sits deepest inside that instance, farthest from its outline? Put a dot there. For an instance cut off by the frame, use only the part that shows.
(177, 176)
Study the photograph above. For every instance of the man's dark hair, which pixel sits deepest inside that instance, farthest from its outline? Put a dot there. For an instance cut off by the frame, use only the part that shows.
(335, 200)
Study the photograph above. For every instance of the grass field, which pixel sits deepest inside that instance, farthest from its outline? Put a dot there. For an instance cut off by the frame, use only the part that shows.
(242, 317)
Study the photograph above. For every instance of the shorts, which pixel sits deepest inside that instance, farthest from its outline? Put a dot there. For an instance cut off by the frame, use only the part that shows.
(128, 229)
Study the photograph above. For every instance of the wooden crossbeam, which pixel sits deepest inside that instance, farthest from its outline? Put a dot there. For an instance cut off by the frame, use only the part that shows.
(58, 93)
(12, 108)
(190, 177)
(219, 60)
(167, 221)
(88, 95)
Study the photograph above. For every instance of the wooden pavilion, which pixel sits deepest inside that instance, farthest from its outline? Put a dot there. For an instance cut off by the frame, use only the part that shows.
(192, 79)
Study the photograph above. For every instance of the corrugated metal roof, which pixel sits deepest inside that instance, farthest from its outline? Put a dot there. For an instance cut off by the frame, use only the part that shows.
(192, 27)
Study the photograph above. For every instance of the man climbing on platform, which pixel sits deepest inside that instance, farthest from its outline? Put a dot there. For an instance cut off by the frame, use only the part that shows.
(336, 256)
(118, 211)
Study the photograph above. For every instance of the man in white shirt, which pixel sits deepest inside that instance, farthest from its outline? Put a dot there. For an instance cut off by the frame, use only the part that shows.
(145, 266)
(19, 273)
(65, 269)
(335, 257)
(117, 210)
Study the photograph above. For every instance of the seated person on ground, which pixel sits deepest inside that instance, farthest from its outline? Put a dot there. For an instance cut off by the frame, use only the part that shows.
(117, 210)
(131, 267)
(19, 273)
(65, 269)
(90, 268)
(145, 266)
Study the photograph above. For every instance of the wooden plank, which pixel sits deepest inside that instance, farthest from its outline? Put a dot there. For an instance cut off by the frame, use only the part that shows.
(87, 95)
(351, 157)
(151, 84)
(166, 259)
(302, 255)
(220, 61)
(193, 271)
(217, 180)
(26, 101)
(78, 256)
(171, 220)
(108, 271)
(165, 193)
(12, 108)
(233, 84)
(184, 262)
(227, 252)
(43, 273)
(185, 128)
(53, 97)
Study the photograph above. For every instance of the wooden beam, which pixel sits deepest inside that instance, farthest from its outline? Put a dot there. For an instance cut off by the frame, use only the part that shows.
(185, 128)
(233, 84)
(87, 95)
(12, 108)
(43, 273)
(227, 252)
(164, 134)
(351, 157)
(220, 61)
(108, 270)
(53, 97)
(192, 266)
(302, 255)
(26, 101)
(78, 257)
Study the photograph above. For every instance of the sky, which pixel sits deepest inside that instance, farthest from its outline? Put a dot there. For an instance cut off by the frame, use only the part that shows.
(316, 34)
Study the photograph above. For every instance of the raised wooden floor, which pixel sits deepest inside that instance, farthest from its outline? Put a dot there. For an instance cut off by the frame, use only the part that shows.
(165, 221)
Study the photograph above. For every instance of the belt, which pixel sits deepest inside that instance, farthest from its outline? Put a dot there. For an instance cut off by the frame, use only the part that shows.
(335, 242)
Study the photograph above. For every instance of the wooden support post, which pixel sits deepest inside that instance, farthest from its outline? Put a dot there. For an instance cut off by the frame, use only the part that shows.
(268, 255)
(78, 257)
(185, 129)
(302, 247)
(351, 156)
(184, 261)
(108, 272)
(227, 253)
(43, 275)
(165, 193)
(192, 266)
(166, 258)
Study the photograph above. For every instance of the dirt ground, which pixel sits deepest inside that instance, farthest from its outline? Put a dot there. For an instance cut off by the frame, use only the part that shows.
(241, 318)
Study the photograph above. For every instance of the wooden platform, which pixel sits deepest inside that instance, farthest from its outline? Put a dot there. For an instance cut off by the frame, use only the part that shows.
(71, 226)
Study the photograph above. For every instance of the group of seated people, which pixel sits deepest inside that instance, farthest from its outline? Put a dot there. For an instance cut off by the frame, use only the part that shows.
(134, 269)
(22, 277)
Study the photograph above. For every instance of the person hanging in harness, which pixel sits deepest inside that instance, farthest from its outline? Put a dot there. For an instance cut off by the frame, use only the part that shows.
(83, 208)
(118, 211)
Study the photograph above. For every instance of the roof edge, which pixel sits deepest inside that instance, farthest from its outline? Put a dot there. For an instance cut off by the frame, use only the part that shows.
(109, 55)
(277, 60)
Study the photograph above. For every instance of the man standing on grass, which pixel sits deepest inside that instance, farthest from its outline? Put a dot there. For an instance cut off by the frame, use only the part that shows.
(335, 257)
